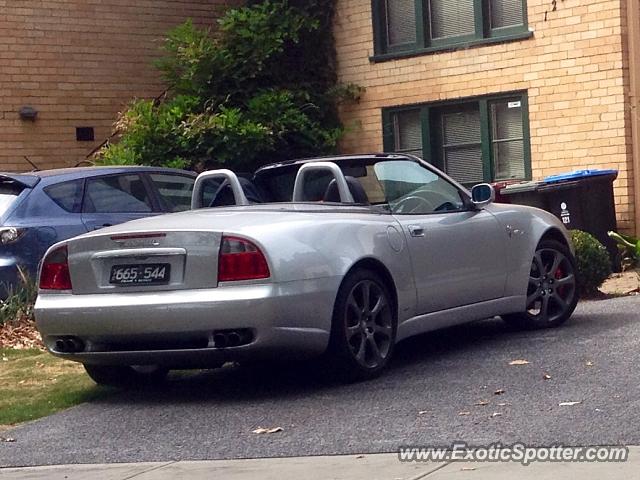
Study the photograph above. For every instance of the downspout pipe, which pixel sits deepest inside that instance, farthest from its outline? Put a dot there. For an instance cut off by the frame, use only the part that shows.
(633, 31)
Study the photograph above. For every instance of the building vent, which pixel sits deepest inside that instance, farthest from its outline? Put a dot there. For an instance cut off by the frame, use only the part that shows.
(85, 134)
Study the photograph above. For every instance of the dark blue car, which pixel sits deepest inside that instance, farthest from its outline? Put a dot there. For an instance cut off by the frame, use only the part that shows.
(41, 208)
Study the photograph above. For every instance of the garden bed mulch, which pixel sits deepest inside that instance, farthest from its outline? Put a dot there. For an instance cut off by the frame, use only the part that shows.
(623, 283)
(20, 335)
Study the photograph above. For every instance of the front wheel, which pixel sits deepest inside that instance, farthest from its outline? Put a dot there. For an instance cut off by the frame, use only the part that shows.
(552, 294)
(123, 376)
(364, 326)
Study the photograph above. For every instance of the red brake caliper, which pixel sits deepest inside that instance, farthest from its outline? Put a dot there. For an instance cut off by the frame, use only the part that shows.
(559, 275)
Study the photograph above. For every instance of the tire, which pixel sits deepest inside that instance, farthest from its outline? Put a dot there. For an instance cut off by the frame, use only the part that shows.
(126, 376)
(552, 293)
(363, 333)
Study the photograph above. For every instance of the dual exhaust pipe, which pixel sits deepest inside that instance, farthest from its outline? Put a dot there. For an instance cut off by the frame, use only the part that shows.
(231, 338)
(69, 345)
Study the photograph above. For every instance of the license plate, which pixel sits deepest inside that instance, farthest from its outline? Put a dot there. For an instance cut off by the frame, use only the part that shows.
(140, 274)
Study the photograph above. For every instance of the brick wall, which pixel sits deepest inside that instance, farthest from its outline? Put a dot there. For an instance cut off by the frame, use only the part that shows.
(574, 69)
(79, 62)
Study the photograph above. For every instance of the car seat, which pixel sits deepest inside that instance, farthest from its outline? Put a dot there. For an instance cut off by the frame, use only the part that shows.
(332, 193)
(224, 195)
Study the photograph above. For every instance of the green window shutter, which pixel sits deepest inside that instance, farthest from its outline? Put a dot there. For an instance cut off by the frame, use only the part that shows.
(408, 132)
(451, 18)
(478, 140)
(507, 140)
(506, 13)
(462, 146)
(401, 22)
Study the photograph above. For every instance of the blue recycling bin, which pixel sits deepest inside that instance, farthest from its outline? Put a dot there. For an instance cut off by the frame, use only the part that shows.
(582, 200)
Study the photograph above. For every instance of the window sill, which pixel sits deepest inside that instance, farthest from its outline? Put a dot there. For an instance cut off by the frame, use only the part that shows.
(384, 57)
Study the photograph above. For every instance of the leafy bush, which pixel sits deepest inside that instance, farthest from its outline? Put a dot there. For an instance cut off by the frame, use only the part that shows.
(629, 248)
(262, 89)
(593, 262)
(20, 301)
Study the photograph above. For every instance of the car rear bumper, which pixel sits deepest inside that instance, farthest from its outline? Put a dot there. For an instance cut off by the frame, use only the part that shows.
(178, 328)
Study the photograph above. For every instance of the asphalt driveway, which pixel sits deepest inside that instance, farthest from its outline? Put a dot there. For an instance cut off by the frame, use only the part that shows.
(434, 394)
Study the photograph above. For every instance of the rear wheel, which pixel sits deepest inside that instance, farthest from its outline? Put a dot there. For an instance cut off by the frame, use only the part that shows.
(552, 295)
(364, 327)
(124, 376)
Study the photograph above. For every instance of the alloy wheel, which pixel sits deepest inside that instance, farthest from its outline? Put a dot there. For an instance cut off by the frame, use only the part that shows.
(369, 324)
(552, 286)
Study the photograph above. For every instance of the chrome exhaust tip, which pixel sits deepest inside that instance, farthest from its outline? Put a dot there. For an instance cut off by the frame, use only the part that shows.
(220, 340)
(60, 345)
(233, 339)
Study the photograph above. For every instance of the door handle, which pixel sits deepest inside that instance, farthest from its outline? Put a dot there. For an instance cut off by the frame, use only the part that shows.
(416, 231)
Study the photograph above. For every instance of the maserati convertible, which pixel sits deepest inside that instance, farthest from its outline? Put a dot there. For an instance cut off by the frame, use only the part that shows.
(337, 258)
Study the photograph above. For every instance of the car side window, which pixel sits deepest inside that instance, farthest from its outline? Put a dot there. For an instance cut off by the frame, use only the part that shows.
(411, 189)
(117, 194)
(67, 195)
(174, 191)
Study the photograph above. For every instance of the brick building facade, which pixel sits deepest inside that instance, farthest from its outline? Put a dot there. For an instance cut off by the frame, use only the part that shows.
(486, 89)
(496, 89)
(78, 63)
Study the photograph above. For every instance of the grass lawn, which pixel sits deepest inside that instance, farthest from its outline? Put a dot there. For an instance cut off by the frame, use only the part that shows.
(34, 384)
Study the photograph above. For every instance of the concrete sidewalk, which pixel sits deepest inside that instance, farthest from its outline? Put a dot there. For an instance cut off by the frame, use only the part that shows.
(348, 467)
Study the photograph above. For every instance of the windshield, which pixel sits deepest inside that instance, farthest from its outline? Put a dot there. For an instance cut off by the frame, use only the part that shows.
(412, 189)
(9, 192)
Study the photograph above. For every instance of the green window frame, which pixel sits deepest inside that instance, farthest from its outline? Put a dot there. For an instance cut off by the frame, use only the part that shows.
(478, 139)
(410, 27)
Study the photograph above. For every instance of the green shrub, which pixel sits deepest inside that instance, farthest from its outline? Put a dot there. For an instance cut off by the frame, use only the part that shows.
(262, 89)
(593, 262)
(20, 301)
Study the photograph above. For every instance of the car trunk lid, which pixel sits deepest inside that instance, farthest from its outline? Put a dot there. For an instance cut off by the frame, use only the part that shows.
(188, 242)
(144, 261)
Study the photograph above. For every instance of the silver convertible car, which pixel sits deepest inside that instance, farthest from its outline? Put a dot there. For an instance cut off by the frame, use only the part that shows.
(339, 258)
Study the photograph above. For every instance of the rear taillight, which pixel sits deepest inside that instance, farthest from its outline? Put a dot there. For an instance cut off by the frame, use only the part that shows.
(55, 270)
(240, 259)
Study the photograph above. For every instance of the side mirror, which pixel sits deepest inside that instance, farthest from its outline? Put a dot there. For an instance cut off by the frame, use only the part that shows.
(482, 195)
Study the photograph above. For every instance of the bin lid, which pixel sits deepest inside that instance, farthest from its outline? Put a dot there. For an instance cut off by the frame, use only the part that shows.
(520, 187)
(578, 174)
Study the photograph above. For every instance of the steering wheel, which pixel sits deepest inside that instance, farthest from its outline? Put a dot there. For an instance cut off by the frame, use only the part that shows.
(411, 204)
(445, 207)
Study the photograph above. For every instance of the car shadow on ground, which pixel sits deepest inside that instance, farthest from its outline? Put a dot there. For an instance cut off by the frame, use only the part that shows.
(282, 380)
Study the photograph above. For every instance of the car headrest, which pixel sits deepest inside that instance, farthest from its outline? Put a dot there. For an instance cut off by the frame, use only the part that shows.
(224, 195)
(332, 194)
